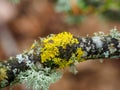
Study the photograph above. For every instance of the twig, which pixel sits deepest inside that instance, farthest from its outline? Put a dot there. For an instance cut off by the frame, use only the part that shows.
(40, 65)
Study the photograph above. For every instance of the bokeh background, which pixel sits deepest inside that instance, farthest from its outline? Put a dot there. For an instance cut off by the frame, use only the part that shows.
(23, 21)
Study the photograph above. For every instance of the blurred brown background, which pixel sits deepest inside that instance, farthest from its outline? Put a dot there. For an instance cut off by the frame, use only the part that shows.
(22, 23)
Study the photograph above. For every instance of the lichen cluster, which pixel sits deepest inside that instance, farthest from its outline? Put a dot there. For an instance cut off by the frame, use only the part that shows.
(50, 55)
(39, 79)
(55, 45)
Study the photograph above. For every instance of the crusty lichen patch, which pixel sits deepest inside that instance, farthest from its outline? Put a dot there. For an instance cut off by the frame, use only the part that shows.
(3, 74)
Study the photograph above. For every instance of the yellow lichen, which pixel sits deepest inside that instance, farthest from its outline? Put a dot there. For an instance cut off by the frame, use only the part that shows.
(61, 39)
(79, 53)
(3, 74)
(32, 46)
(50, 50)
(51, 44)
(62, 62)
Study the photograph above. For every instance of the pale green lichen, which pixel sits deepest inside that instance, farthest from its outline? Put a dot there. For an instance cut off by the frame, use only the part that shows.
(3, 83)
(100, 34)
(114, 33)
(39, 79)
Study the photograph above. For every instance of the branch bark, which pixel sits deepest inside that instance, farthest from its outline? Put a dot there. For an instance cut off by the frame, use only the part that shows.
(99, 46)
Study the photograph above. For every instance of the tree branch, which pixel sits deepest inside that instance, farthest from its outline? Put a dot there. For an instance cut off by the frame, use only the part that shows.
(55, 52)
